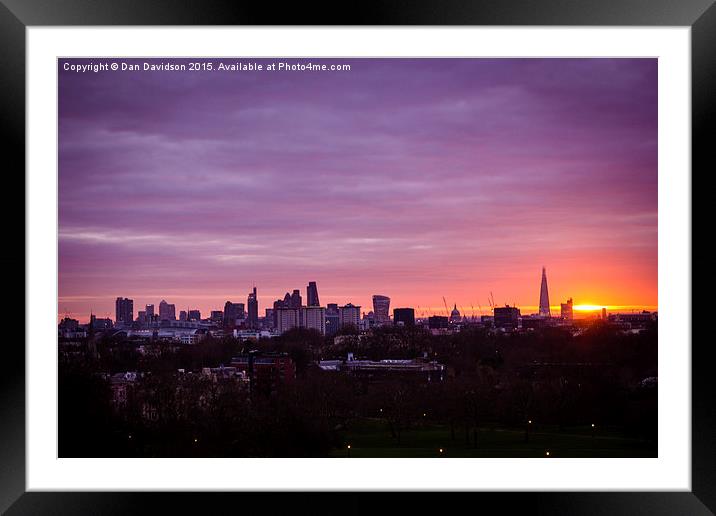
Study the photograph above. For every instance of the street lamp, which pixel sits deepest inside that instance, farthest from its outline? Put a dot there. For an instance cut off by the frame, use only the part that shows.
(527, 430)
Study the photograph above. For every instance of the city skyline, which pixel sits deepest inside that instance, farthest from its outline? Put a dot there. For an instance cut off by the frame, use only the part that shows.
(583, 310)
(412, 178)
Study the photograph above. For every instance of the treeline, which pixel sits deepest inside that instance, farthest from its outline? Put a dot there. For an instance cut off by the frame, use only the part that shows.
(548, 376)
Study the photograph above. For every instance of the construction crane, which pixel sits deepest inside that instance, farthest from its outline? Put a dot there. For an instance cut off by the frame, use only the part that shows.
(447, 312)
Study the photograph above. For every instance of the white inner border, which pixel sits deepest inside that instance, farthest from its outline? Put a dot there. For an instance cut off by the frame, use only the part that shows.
(671, 470)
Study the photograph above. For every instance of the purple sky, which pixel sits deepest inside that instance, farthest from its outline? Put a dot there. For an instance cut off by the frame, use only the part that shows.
(413, 178)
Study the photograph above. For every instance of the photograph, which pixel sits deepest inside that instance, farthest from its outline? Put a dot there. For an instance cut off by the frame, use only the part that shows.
(384, 257)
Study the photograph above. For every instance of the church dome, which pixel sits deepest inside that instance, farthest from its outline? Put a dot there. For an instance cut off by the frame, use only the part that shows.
(455, 314)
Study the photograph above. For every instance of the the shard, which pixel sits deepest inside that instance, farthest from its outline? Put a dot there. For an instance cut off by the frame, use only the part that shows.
(544, 296)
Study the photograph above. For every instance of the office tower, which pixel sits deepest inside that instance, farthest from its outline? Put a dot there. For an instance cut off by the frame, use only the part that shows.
(566, 310)
(295, 300)
(312, 294)
(349, 315)
(544, 296)
(253, 306)
(287, 318)
(604, 313)
(232, 312)
(507, 316)
(183, 315)
(142, 317)
(381, 309)
(217, 316)
(314, 317)
(149, 310)
(194, 315)
(404, 317)
(166, 312)
(333, 319)
(124, 310)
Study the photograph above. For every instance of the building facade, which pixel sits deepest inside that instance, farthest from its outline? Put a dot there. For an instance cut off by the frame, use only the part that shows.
(314, 318)
(287, 319)
(349, 315)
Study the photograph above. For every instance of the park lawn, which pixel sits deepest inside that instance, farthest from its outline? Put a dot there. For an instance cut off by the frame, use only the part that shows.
(371, 438)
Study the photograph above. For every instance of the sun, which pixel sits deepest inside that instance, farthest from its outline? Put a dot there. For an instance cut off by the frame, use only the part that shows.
(587, 308)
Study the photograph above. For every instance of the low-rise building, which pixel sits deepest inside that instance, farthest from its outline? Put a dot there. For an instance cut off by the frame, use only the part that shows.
(507, 317)
(430, 371)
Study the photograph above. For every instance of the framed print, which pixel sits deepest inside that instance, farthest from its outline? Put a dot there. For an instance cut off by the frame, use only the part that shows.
(410, 251)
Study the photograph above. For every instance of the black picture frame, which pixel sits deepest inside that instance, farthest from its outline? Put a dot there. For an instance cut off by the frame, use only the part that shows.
(17, 15)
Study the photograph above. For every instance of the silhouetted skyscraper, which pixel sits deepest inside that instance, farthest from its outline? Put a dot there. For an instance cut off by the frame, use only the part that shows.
(544, 296)
(294, 300)
(381, 309)
(253, 306)
(149, 311)
(333, 319)
(167, 312)
(404, 317)
(312, 294)
(232, 312)
(124, 309)
(567, 311)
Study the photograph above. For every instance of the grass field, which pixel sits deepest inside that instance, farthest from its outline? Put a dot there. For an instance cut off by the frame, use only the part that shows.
(372, 438)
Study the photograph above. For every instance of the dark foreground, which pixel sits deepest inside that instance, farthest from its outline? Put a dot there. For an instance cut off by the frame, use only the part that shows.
(518, 395)
(370, 438)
